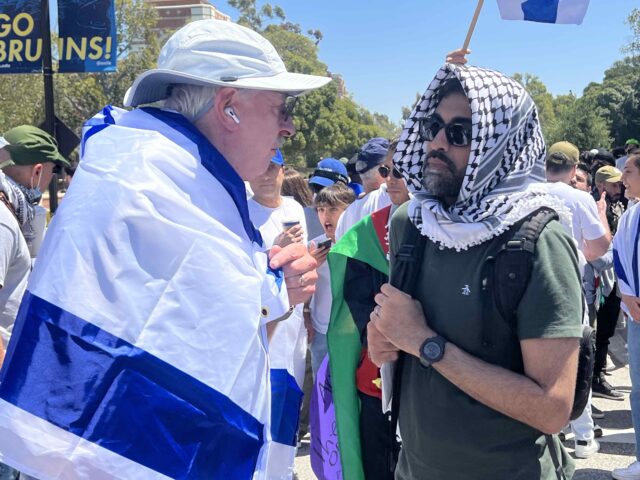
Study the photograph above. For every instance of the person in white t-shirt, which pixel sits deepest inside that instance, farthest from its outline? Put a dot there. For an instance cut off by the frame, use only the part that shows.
(281, 222)
(370, 158)
(592, 235)
(330, 203)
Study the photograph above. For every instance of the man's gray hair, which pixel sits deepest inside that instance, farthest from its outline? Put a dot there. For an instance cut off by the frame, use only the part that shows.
(192, 101)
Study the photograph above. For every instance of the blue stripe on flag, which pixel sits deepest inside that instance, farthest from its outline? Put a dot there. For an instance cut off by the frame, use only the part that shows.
(619, 269)
(94, 126)
(286, 400)
(634, 264)
(215, 164)
(88, 382)
(540, 10)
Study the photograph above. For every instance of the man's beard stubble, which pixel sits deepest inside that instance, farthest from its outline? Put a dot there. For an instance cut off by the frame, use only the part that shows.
(441, 183)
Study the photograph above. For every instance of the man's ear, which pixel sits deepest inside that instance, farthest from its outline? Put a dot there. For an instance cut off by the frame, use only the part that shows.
(226, 98)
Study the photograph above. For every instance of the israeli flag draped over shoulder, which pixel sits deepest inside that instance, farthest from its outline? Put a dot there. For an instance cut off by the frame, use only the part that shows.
(545, 11)
(626, 254)
(139, 348)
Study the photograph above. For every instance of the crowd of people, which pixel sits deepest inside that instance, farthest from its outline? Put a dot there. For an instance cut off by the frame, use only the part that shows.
(186, 294)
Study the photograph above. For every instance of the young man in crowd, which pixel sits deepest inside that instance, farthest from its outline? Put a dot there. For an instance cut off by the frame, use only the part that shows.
(473, 154)
(608, 182)
(591, 233)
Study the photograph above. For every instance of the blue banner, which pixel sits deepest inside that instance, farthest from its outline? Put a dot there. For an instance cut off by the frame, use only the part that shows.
(20, 37)
(87, 36)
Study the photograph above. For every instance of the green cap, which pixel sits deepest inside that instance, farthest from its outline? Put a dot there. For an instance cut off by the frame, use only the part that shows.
(608, 174)
(29, 145)
(563, 154)
(632, 141)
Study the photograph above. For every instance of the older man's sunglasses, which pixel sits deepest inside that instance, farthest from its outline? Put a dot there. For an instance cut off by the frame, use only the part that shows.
(286, 110)
(384, 172)
(457, 133)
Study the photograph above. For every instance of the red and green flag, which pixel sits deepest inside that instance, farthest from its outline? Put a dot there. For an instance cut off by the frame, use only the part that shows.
(367, 242)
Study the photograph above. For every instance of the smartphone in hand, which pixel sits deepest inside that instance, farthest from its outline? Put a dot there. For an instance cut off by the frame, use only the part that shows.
(325, 244)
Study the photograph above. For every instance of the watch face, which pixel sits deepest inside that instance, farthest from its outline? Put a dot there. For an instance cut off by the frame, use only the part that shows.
(432, 350)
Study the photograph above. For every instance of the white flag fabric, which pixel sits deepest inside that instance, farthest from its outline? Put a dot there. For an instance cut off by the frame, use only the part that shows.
(139, 350)
(626, 253)
(545, 11)
(287, 350)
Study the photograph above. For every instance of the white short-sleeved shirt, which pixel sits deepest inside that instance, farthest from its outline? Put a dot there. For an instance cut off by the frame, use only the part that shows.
(585, 220)
(269, 220)
(15, 266)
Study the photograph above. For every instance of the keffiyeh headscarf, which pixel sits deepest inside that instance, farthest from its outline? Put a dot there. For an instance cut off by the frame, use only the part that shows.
(506, 161)
(23, 207)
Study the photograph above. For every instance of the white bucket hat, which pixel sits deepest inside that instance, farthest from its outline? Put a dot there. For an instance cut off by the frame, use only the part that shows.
(216, 52)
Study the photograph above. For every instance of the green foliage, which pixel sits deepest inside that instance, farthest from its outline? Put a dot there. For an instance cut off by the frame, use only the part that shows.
(543, 100)
(633, 20)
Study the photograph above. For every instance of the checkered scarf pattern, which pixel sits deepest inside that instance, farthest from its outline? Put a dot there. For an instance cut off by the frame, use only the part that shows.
(505, 164)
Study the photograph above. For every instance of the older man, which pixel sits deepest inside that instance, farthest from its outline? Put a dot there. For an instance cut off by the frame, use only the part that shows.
(478, 397)
(370, 157)
(155, 365)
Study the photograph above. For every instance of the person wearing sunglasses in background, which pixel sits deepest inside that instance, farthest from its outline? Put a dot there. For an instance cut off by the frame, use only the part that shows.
(472, 153)
(375, 196)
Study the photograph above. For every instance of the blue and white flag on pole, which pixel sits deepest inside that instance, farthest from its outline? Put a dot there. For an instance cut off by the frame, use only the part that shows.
(626, 254)
(545, 11)
(139, 350)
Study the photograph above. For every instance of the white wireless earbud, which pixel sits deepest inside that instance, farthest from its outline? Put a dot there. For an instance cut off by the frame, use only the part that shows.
(229, 111)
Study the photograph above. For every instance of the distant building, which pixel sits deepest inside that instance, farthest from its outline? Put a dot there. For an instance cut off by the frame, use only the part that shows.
(173, 14)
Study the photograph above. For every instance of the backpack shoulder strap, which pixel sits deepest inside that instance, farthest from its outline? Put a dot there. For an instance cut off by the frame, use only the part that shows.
(408, 261)
(514, 262)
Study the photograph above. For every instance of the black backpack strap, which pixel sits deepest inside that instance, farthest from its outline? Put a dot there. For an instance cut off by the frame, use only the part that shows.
(505, 277)
(557, 466)
(513, 263)
(407, 265)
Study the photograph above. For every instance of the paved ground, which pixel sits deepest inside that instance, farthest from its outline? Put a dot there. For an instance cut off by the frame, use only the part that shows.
(617, 445)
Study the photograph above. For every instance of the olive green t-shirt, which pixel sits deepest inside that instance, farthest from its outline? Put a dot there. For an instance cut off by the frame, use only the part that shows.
(447, 434)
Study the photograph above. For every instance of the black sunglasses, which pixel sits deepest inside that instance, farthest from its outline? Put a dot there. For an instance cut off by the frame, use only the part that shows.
(384, 172)
(286, 110)
(458, 133)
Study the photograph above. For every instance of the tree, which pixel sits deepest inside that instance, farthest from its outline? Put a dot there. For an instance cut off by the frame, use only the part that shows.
(581, 123)
(633, 20)
(543, 100)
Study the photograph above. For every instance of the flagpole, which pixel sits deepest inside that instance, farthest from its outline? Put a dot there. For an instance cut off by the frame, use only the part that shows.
(49, 108)
(473, 25)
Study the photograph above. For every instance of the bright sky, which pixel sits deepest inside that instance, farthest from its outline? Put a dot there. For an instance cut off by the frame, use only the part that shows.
(387, 51)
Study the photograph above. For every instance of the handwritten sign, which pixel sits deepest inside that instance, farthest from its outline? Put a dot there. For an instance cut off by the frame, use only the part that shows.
(325, 452)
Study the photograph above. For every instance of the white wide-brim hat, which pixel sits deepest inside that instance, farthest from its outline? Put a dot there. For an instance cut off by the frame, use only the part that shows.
(217, 52)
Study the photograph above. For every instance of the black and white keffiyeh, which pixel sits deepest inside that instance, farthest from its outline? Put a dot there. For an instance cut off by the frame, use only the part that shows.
(505, 164)
(25, 211)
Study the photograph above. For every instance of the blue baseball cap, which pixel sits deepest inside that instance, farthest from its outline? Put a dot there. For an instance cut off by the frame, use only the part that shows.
(278, 159)
(328, 172)
(372, 154)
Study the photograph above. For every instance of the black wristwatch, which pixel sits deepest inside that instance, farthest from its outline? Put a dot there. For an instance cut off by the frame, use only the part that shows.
(432, 351)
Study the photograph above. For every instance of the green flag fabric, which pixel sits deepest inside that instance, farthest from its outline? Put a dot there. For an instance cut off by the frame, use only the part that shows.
(362, 242)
